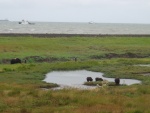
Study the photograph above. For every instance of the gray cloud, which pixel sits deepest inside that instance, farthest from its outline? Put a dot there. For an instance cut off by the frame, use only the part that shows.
(113, 11)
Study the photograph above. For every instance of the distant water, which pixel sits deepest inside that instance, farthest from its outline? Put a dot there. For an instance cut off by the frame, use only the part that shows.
(74, 28)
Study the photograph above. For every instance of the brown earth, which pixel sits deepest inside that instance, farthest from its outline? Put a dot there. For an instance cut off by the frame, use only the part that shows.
(29, 59)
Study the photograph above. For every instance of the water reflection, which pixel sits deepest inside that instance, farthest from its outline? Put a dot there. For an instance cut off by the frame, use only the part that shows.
(76, 78)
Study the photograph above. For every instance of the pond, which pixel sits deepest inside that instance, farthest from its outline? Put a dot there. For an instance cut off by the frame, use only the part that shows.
(75, 79)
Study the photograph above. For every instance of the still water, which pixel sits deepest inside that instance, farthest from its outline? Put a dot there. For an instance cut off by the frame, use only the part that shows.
(76, 78)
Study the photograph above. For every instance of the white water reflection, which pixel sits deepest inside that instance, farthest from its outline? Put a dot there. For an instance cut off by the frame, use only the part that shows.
(76, 78)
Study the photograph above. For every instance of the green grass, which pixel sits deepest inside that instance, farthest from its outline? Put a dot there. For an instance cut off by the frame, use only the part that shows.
(21, 85)
(83, 48)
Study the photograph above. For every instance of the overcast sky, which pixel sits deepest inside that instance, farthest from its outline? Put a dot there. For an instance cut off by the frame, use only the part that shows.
(102, 11)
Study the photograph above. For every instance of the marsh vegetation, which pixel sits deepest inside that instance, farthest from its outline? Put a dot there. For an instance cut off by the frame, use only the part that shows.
(21, 85)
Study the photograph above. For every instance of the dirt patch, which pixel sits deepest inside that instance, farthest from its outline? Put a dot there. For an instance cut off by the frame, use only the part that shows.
(125, 55)
(42, 59)
(39, 59)
(54, 59)
(5, 61)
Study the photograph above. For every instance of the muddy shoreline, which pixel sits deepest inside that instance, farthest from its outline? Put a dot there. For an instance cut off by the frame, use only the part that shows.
(47, 35)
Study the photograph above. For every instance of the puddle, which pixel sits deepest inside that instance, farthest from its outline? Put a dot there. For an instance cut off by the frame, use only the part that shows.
(75, 79)
(146, 65)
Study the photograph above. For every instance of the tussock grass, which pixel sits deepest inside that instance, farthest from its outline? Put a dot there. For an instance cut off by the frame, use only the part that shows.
(21, 85)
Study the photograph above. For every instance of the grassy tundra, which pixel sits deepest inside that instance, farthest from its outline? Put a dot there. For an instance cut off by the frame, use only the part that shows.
(20, 84)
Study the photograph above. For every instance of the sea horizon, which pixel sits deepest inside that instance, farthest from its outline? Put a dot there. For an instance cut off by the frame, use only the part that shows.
(33, 27)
